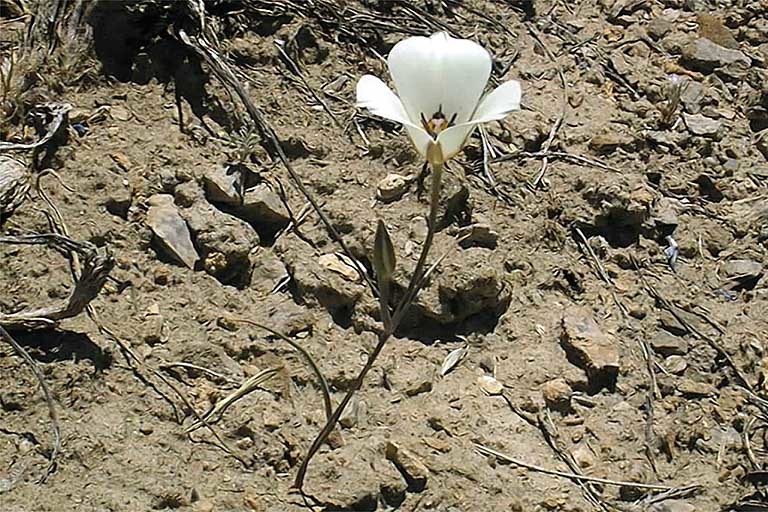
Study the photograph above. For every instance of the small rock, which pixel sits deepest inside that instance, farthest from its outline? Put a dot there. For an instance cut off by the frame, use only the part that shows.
(672, 506)
(699, 125)
(412, 380)
(479, 234)
(692, 388)
(658, 27)
(392, 487)
(120, 113)
(667, 345)
(671, 324)
(222, 185)
(119, 202)
(170, 230)
(413, 470)
(664, 214)
(153, 329)
(352, 414)
(583, 456)
(609, 141)
(262, 208)
(744, 274)
(692, 95)
(490, 385)
(590, 348)
(557, 395)
(204, 506)
(705, 56)
(392, 187)
(675, 365)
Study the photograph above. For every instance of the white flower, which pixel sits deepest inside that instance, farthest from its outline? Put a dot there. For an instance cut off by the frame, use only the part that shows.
(439, 82)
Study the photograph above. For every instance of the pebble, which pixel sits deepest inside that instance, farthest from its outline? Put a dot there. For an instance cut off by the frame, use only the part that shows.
(666, 344)
(675, 365)
(672, 506)
(658, 27)
(557, 395)
(412, 468)
(479, 234)
(590, 348)
(490, 385)
(119, 202)
(692, 388)
(742, 273)
(332, 262)
(392, 187)
(262, 207)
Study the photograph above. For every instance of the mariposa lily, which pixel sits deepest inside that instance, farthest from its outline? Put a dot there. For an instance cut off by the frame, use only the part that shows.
(439, 82)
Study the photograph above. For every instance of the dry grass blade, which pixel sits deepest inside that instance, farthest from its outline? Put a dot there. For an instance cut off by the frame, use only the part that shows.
(484, 450)
(311, 362)
(216, 412)
(48, 399)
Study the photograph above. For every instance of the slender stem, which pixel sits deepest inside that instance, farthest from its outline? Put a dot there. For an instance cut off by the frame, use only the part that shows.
(418, 272)
(407, 300)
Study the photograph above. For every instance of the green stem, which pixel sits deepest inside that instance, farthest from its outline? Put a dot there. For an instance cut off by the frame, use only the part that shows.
(407, 300)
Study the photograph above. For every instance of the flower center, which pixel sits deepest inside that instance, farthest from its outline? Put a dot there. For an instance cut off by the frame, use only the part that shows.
(437, 123)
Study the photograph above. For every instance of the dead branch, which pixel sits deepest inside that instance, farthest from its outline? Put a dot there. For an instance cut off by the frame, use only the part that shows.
(96, 266)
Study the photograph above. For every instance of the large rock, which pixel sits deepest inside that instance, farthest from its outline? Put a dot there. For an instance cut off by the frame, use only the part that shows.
(706, 56)
(223, 185)
(224, 241)
(170, 231)
(461, 288)
(263, 209)
(742, 274)
(589, 348)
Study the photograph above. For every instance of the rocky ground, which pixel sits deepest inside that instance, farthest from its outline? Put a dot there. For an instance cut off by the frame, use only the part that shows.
(600, 310)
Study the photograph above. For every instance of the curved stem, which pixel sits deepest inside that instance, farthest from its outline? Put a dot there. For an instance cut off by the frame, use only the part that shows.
(413, 288)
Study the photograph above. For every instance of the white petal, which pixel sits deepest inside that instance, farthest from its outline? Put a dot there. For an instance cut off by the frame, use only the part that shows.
(454, 138)
(496, 105)
(379, 99)
(420, 139)
(500, 102)
(439, 71)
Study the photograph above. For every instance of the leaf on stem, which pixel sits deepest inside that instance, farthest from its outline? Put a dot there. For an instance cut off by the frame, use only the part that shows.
(383, 255)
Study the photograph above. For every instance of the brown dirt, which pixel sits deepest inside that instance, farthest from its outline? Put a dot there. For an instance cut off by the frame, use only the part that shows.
(124, 441)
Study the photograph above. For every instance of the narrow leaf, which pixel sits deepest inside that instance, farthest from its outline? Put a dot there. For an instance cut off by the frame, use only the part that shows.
(383, 254)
